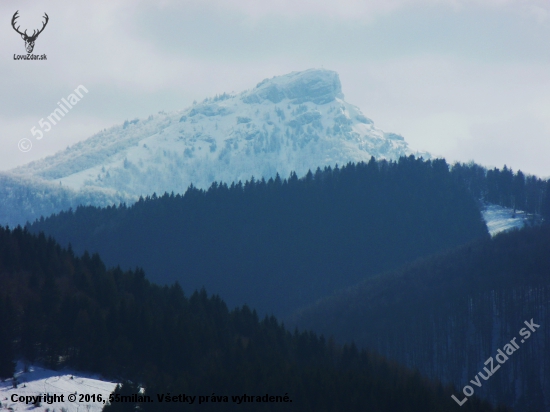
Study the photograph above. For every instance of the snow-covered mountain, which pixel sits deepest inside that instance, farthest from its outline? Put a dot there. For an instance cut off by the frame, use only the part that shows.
(295, 122)
(25, 198)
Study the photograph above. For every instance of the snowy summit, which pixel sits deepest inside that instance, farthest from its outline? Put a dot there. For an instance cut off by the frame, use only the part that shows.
(288, 123)
(294, 122)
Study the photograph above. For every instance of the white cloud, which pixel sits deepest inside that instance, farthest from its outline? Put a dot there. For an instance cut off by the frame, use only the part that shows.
(347, 9)
(493, 113)
(541, 13)
(445, 74)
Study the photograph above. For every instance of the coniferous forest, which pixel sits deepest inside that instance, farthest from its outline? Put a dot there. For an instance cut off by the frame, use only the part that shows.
(505, 188)
(447, 314)
(65, 310)
(282, 244)
(389, 258)
(258, 232)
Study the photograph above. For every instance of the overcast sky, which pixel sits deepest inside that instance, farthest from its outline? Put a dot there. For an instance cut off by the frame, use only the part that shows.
(468, 80)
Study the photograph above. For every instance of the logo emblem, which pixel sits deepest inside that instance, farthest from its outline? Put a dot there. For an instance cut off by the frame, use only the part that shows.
(29, 40)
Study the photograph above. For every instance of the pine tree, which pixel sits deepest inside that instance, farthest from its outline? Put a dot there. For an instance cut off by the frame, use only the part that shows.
(545, 209)
(7, 363)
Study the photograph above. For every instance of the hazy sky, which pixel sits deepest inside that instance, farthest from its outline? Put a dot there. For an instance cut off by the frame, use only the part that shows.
(468, 80)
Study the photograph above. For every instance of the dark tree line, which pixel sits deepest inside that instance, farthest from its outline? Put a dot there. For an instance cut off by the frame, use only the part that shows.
(62, 310)
(447, 314)
(505, 188)
(283, 243)
(7, 336)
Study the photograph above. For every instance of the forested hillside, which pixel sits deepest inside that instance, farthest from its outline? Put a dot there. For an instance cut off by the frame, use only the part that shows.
(282, 244)
(505, 188)
(62, 310)
(446, 315)
(23, 199)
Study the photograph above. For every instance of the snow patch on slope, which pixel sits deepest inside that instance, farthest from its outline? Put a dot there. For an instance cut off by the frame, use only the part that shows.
(500, 219)
(39, 381)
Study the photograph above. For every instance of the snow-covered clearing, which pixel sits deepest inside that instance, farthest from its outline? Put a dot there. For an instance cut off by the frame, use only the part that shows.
(39, 381)
(500, 219)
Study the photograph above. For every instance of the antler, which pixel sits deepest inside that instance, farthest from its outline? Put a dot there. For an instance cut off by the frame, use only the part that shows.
(43, 26)
(15, 17)
(34, 33)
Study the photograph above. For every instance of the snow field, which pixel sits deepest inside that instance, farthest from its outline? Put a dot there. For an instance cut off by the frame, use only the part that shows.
(40, 381)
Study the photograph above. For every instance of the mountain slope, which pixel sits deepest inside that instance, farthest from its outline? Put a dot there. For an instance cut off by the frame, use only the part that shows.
(24, 198)
(64, 310)
(288, 123)
(446, 315)
(282, 244)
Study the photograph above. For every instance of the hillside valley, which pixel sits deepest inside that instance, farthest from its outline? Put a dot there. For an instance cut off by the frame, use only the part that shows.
(447, 314)
(62, 310)
(278, 245)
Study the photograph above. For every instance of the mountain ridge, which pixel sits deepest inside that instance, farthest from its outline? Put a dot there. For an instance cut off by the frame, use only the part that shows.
(306, 237)
(294, 122)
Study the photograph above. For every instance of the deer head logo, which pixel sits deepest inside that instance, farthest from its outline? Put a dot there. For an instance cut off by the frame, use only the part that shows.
(29, 40)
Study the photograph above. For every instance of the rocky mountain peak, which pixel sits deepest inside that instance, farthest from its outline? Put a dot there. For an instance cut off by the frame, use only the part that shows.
(317, 86)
